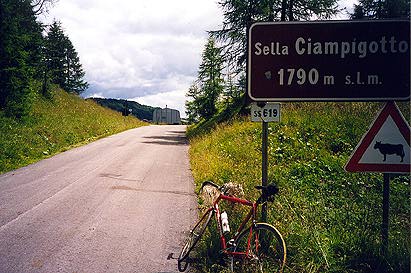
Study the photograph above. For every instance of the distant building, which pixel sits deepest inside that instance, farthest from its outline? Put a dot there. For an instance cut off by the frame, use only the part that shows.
(167, 116)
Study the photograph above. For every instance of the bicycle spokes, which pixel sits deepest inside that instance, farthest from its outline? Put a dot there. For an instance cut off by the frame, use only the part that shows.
(264, 251)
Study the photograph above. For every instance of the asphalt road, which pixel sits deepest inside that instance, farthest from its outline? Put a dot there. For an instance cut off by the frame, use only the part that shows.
(119, 204)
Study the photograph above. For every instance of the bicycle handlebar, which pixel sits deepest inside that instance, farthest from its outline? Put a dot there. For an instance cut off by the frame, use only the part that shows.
(211, 183)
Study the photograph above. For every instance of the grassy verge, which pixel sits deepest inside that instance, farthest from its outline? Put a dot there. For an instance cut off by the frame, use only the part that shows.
(55, 125)
(330, 218)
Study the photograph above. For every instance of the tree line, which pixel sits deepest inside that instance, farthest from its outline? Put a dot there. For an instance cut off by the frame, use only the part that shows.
(138, 110)
(221, 80)
(34, 55)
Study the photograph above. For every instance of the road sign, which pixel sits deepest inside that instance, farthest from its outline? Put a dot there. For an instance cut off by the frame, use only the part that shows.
(385, 147)
(268, 112)
(329, 61)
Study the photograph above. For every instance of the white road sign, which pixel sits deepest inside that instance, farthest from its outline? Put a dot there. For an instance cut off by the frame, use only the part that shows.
(385, 147)
(270, 112)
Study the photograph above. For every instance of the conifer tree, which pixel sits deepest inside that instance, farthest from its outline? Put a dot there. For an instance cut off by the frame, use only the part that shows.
(63, 63)
(55, 53)
(204, 94)
(20, 56)
(381, 9)
(211, 79)
(192, 104)
(74, 72)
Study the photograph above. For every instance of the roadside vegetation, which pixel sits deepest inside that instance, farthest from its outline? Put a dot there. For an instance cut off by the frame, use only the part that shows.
(55, 124)
(33, 53)
(330, 219)
(38, 119)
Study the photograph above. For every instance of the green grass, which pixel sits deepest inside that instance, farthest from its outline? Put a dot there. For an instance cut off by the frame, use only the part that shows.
(330, 219)
(54, 125)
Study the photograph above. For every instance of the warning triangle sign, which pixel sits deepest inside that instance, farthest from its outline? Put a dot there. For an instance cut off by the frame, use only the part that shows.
(385, 147)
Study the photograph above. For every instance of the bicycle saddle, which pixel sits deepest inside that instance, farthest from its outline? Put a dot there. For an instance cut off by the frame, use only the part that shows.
(268, 191)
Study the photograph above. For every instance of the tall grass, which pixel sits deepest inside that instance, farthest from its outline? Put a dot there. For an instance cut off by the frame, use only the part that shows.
(331, 219)
(55, 124)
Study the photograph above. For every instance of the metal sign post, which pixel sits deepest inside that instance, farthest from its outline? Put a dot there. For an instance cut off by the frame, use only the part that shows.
(264, 163)
(264, 113)
(385, 214)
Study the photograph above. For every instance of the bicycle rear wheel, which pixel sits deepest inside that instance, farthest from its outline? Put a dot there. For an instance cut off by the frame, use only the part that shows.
(193, 238)
(267, 252)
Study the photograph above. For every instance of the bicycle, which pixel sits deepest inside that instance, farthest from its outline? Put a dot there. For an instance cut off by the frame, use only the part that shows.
(256, 248)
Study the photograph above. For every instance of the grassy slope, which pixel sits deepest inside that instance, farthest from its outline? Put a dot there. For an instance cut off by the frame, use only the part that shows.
(330, 218)
(55, 125)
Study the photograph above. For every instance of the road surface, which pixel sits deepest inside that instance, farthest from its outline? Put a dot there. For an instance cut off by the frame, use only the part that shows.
(119, 204)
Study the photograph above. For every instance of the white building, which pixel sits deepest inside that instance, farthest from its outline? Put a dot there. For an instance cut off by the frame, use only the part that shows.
(167, 116)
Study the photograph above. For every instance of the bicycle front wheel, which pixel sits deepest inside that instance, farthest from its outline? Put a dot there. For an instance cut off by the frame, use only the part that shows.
(193, 238)
(264, 249)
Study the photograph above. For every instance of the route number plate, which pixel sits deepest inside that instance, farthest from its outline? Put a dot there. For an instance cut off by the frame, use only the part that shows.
(270, 112)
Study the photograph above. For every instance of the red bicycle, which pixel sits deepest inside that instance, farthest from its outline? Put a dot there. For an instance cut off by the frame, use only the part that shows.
(254, 247)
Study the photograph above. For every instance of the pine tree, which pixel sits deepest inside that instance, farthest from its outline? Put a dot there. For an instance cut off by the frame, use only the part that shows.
(234, 88)
(55, 54)
(210, 79)
(192, 104)
(63, 63)
(20, 56)
(381, 9)
(74, 72)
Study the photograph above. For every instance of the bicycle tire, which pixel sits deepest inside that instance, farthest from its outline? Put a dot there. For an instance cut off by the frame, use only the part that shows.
(195, 235)
(270, 258)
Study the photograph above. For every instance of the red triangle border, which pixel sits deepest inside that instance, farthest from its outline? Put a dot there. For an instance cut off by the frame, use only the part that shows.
(353, 165)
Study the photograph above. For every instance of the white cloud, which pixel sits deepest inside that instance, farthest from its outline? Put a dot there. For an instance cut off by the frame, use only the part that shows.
(348, 7)
(138, 48)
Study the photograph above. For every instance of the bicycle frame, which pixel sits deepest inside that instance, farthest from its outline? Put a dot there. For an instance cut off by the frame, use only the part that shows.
(250, 215)
(243, 248)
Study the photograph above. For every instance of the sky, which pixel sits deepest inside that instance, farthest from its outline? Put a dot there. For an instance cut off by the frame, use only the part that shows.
(142, 50)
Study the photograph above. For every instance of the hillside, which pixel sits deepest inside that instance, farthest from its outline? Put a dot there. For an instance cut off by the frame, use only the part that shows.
(330, 219)
(138, 110)
(54, 125)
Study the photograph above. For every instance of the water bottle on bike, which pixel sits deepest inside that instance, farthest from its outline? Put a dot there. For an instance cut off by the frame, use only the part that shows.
(224, 222)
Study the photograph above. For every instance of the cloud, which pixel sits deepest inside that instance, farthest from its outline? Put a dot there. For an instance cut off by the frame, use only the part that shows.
(138, 48)
(170, 83)
(348, 8)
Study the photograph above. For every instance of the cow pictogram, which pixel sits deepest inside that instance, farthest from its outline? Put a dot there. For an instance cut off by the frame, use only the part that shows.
(390, 149)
